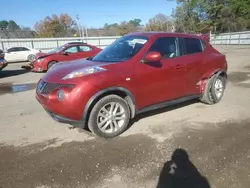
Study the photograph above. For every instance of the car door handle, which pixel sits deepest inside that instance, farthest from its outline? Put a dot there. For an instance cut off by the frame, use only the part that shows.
(178, 67)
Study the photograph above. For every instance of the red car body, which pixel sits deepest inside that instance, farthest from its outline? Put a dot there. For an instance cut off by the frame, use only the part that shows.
(146, 81)
(67, 52)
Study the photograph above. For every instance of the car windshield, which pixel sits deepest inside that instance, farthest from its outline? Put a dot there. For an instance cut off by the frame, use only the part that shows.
(55, 50)
(122, 49)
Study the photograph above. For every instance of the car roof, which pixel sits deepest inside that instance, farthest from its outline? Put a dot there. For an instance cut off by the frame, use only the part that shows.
(75, 43)
(159, 33)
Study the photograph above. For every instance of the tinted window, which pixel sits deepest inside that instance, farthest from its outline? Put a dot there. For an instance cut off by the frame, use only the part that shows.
(23, 49)
(72, 49)
(192, 45)
(84, 48)
(166, 46)
(13, 50)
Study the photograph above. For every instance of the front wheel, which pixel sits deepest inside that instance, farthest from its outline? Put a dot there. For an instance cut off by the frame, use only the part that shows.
(109, 117)
(31, 58)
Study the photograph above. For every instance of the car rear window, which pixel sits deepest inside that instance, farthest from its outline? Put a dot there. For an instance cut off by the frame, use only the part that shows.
(193, 45)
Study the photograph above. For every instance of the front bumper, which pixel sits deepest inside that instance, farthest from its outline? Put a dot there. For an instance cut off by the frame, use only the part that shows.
(32, 68)
(65, 120)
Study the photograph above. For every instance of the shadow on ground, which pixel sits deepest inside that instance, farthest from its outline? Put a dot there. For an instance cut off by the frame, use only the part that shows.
(161, 110)
(180, 172)
(237, 78)
(9, 73)
(15, 88)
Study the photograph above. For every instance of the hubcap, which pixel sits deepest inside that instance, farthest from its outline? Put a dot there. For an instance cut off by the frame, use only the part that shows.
(111, 117)
(32, 58)
(218, 88)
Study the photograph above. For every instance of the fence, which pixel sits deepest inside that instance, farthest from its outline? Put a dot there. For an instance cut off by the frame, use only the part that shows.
(50, 43)
(236, 38)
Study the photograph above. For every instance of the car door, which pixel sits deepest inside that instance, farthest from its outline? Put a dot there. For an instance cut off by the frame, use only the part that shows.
(12, 55)
(70, 53)
(22, 53)
(85, 51)
(164, 80)
(194, 55)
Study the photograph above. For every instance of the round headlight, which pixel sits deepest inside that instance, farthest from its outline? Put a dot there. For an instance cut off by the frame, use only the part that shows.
(60, 95)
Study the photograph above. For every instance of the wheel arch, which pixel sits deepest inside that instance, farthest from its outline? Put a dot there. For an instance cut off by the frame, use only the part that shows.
(48, 62)
(203, 81)
(209, 74)
(120, 91)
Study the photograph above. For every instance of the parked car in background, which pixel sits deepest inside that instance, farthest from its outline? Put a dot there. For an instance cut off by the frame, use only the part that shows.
(137, 73)
(1, 54)
(67, 52)
(3, 64)
(17, 54)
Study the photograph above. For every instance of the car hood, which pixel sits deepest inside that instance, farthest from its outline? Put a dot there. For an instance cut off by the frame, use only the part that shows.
(60, 70)
(43, 55)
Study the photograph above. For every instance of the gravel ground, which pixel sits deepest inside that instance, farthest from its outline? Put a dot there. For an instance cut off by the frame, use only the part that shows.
(210, 144)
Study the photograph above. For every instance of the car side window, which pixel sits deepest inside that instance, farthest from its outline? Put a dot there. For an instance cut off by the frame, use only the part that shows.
(13, 50)
(192, 45)
(72, 49)
(166, 46)
(23, 49)
(84, 48)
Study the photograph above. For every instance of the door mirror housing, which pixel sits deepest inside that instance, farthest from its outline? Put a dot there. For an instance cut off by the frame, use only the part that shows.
(152, 57)
(64, 53)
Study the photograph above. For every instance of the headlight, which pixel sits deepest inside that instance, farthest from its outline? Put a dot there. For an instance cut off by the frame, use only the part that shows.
(39, 60)
(60, 95)
(84, 72)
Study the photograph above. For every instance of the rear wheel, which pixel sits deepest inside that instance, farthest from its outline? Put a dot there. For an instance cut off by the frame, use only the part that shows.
(214, 90)
(31, 58)
(51, 64)
(109, 117)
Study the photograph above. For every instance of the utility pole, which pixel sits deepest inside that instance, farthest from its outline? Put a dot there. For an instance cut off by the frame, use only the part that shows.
(78, 25)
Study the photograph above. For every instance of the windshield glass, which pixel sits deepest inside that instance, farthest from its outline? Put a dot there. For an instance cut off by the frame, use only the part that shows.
(122, 49)
(55, 50)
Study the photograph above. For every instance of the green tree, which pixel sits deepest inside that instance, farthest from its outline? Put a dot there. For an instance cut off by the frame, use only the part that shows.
(12, 26)
(136, 22)
(3, 24)
(217, 15)
(125, 27)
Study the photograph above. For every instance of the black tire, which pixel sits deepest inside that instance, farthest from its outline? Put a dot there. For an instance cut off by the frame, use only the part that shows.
(51, 64)
(31, 58)
(209, 96)
(92, 120)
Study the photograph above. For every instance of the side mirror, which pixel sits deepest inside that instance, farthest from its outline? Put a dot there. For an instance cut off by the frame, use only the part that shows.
(152, 57)
(65, 53)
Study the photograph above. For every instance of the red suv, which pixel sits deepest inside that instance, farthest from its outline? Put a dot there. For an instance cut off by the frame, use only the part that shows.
(67, 52)
(136, 73)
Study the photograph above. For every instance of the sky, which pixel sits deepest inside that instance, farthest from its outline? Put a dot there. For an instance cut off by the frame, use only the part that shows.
(92, 13)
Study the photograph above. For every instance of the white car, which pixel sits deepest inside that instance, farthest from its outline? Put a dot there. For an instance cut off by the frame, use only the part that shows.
(15, 54)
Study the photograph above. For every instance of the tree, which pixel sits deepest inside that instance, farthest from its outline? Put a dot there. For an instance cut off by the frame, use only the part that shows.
(125, 28)
(3, 24)
(12, 26)
(55, 26)
(217, 15)
(160, 22)
(136, 22)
